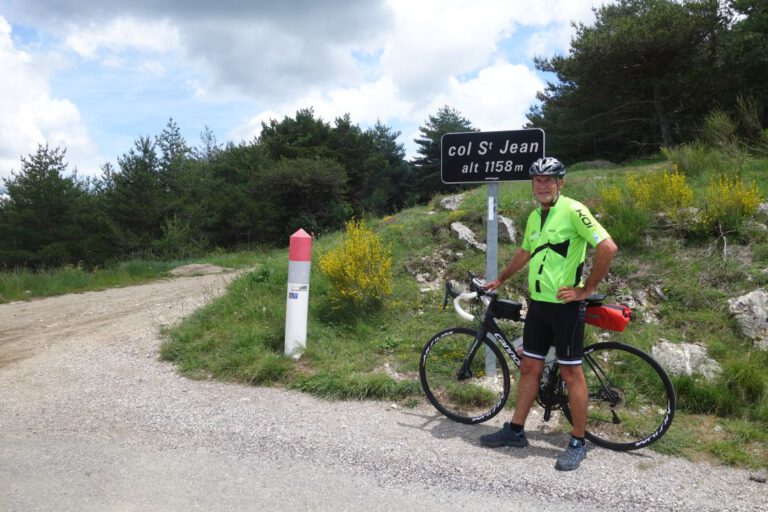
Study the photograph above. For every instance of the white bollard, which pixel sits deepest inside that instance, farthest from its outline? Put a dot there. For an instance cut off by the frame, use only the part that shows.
(297, 302)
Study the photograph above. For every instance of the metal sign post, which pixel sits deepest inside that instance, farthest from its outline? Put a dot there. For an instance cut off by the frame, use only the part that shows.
(491, 256)
(490, 157)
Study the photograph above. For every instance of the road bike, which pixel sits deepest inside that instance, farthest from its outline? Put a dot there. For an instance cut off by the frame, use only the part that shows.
(466, 377)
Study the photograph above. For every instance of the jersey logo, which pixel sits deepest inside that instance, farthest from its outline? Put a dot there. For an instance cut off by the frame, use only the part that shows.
(584, 218)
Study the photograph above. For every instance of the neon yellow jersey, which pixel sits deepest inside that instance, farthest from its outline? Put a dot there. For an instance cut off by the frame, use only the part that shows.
(559, 247)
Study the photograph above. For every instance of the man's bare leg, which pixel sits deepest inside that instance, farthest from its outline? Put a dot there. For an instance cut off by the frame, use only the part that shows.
(578, 397)
(527, 388)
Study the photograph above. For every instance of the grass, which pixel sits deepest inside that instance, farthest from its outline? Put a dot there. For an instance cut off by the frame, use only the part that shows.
(374, 355)
(23, 284)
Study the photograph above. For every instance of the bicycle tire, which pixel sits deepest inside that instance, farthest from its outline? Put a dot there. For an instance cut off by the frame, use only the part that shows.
(631, 398)
(475, 398)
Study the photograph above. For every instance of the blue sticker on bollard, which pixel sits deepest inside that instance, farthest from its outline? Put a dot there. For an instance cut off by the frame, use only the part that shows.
(293, 295)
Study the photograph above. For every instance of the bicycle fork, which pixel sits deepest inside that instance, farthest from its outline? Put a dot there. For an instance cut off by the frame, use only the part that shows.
(465, 372)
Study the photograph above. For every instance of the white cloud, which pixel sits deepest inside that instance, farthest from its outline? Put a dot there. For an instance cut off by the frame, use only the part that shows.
(434, 40)
(123, 34)
(497, 99)
(561, 12)
(547, 43)
(394, 60)
(365, 104)
(252, 127)
(30, 115)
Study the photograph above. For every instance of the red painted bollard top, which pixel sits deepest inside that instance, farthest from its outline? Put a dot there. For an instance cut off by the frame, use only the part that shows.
(300, 248)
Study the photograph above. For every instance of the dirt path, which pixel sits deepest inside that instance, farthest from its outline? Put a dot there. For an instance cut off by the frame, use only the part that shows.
(90, 419)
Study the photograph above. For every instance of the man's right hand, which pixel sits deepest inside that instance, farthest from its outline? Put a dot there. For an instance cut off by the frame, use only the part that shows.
(493, 285)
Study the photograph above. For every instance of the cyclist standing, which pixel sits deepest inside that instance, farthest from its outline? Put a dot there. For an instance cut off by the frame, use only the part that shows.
(555, 244)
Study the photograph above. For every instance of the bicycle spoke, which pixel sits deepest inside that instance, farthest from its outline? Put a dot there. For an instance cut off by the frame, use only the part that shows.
(631, 400)
(467, 393)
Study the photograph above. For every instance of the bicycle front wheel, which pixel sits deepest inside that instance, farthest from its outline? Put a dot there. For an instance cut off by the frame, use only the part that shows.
(631, 398)
(468, 393)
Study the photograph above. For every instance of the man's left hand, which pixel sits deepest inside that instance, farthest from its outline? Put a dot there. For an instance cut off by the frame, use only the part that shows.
(572, 294)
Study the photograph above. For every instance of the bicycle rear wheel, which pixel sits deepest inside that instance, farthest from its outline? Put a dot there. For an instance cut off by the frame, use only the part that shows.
(475, 396)
(631, 398)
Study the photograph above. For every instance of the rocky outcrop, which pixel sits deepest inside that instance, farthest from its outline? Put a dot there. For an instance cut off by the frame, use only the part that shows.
(509, 225)
(466, 235)
(643, 303)
(429, 270)
(685, 359)
(751, 313)
(452, 202)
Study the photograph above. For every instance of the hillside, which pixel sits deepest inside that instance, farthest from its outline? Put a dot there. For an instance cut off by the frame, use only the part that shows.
(678, 278)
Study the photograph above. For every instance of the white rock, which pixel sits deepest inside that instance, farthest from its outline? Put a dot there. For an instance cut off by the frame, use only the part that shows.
(685, 359)
(510, 226)
(465, 234)
(751, 313)
(452, 202)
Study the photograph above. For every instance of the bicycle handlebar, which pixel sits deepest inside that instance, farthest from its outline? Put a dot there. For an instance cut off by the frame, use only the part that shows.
(477, 289)
(476, 285)
(461, 312)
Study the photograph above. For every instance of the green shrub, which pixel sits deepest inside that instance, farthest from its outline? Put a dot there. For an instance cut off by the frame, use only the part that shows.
(760, 253)
(178, 240)
(719, 131)
(694, 159)
(629, 215)
(360, 269)
(668, 194)
(696, 396)
(729, 202)
(750, 127)
(592, 164)
(747, 381)
(740, 389)
(761, 414)
(625, 222)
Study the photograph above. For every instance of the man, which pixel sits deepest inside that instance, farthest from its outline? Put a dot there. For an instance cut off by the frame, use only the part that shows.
(555, 245)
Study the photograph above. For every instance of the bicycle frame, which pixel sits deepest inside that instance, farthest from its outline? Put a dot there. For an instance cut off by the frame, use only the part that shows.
(489, 326)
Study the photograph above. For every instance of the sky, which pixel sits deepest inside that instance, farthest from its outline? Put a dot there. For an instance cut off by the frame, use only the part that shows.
(93, 76)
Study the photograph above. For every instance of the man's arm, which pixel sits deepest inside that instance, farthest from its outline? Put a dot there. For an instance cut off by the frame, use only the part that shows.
(604, 253)
(517, 262)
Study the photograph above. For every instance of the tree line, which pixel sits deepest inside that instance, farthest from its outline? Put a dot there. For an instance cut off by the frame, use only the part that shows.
(168, 199)
(646, 73)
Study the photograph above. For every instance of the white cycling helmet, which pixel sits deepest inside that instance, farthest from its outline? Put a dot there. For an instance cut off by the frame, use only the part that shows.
(547, 166)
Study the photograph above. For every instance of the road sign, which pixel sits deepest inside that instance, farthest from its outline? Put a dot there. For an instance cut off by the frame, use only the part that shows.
(481, 157)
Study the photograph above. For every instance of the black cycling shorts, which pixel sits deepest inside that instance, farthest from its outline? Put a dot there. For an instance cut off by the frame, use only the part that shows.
(561, 325)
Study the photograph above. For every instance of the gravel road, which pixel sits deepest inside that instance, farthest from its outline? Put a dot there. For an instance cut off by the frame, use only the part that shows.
(91, 420)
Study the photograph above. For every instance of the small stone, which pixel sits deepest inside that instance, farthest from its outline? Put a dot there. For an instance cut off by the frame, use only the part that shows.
(452, 202)
(658, 293)
(759, 476)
